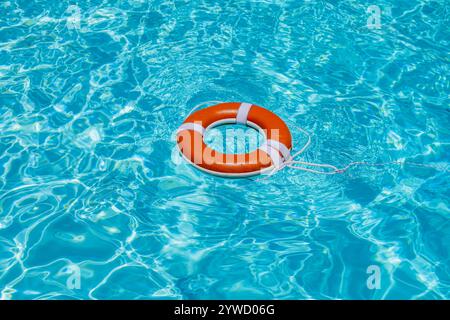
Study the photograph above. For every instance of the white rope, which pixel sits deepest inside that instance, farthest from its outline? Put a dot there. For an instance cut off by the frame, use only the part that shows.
(244, 109)
(273, 153)
(281, 147)
(362, 163)
(291, 162)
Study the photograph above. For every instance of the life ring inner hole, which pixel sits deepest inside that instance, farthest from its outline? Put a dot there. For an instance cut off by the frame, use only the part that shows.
(226, 136)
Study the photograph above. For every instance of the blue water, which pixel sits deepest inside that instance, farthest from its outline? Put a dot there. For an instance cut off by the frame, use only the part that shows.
(93, 205)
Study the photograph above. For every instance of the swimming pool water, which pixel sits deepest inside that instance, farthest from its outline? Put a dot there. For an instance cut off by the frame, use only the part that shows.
(93, 205)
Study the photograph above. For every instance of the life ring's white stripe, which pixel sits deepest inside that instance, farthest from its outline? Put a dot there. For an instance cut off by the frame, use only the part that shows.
(281, 147)
(191, 126)
(273, 154)
(242, 114)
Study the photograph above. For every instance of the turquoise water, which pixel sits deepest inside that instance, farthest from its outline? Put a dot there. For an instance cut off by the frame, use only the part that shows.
(93, 205)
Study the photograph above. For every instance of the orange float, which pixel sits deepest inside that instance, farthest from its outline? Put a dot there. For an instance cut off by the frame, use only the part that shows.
(272, 154)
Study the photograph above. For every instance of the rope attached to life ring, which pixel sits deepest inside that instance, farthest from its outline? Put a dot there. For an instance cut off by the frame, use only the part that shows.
(335, 170)
(294, 164)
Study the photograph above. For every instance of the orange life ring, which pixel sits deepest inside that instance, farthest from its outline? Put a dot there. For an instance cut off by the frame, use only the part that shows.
(275, 150)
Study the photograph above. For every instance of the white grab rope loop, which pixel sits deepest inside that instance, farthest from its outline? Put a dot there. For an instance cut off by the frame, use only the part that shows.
(242, 114)
(281, 147)
(273, 153)
(274, 148)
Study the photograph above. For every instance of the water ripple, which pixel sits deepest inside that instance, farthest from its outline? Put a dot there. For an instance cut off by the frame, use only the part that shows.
(90, 96)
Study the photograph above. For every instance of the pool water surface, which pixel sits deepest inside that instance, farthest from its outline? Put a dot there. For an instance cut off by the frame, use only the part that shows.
(95, 202)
